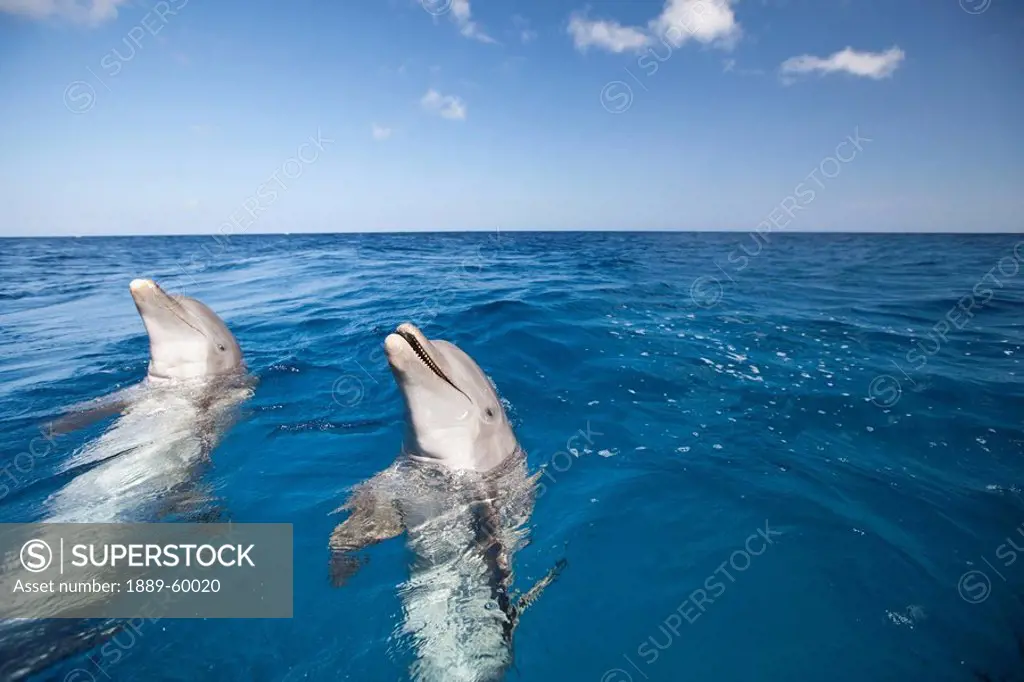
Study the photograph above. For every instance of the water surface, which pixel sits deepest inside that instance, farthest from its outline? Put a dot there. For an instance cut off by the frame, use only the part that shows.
(692, 396)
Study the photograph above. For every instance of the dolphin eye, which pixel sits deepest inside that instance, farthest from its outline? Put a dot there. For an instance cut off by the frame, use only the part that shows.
(489, 412)
(220, 346)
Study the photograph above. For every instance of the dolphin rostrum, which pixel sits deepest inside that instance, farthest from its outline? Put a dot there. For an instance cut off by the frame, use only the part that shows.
(461, 493)
(146, 462)
(167, 424)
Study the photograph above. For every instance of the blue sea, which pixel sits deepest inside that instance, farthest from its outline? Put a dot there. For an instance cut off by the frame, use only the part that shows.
(766, 457)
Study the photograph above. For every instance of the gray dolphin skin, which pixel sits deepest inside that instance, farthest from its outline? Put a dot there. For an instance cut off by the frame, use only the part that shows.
(167, 425)
(187, 340)
(147, 463)
(461, 494)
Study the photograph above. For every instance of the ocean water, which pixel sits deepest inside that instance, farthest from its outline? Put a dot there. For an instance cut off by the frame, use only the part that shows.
(794, 457)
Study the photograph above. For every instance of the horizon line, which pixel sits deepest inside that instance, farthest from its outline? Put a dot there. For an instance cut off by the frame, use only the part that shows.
(500, 230)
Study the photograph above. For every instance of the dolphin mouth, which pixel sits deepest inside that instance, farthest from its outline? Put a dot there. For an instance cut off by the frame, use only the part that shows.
(425, 358)
(147, 294)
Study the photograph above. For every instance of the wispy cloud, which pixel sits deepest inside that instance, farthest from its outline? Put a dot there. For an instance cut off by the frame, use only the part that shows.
(512, 65)
(876, 65)
(706, 21)
(729, 66)
(91, 12)
(522, 24)
(380, 132)
(445, 106)
(462, 15)
(606, 35)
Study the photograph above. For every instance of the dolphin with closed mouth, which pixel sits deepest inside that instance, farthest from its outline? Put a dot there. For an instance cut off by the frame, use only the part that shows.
(167, 424)
(145, 463)
(461, 494)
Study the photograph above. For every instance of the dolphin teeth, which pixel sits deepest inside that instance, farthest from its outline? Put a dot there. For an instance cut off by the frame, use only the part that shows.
(422, 354)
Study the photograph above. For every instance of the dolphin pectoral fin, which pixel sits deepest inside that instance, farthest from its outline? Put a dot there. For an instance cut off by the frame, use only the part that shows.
(344, 565)
(526, 600)
(83, 414)
(373, 519)
(354, 534)
(193, 502)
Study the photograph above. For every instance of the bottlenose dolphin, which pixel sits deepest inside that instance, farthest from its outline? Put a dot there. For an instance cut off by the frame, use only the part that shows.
(146, 463)
(461, 493)
(168, 423)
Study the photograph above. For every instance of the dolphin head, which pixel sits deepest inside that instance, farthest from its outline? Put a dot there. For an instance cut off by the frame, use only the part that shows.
(454, 416)
(186, 339)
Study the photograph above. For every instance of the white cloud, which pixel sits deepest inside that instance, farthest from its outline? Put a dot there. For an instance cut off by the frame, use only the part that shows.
(462, 16)
(80, 11)
(875, 65)
(380, 132)
(706, 21)
(607, 35)
(445, 106)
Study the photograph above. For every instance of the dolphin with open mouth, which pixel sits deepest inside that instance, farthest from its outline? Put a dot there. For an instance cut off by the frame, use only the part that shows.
(461, 494)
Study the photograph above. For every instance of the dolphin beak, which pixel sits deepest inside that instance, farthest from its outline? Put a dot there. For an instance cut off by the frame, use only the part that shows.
(396, 347)
(148, 295)
(141, 287)
(410, 328)
(393, 345)
(408, 346)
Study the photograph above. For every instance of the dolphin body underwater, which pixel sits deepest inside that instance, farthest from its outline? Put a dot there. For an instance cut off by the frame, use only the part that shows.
(167, 425)
(147, 462)
(461, 493)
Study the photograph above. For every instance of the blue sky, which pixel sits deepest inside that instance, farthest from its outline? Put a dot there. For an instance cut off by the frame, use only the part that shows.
(195, 116)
